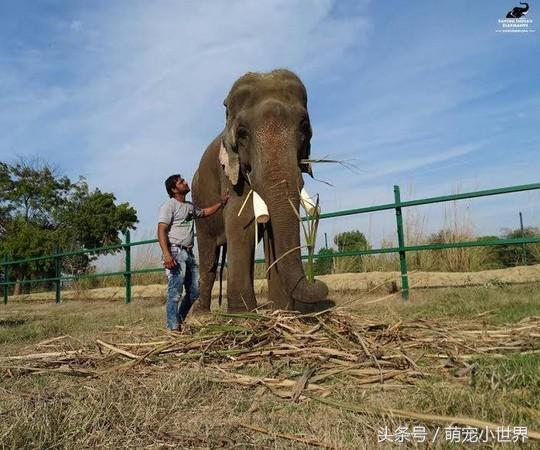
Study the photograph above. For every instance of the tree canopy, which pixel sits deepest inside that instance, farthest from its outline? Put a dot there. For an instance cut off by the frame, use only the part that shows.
(350, 241)
(324, 266)
(346, 241)
(41, 211)
(515, 255)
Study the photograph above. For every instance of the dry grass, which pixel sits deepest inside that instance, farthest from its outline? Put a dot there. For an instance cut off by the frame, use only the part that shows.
(457, 227)
(249, 380)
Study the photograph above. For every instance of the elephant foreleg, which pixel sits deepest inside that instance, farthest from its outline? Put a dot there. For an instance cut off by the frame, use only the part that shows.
(208, 263)
(240, 261)
(278, 297)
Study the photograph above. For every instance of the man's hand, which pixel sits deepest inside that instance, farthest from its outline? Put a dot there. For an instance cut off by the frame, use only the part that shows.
(215, 208)
(225, 199)
(169, 262)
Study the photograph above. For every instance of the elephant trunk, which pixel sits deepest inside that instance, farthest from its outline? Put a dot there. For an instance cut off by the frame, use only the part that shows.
(278, 179)
(285, 239)
(526, 7)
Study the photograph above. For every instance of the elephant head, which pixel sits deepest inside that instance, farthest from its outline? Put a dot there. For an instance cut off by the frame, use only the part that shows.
(517, 12)
(265, 140)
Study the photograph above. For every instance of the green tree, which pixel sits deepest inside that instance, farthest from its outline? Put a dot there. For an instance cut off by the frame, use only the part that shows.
(4, 188)
(41, 211)
(92, 219)
(349, 241)
(324, 266)
(26, 240)
(515, 255)
(35, 192)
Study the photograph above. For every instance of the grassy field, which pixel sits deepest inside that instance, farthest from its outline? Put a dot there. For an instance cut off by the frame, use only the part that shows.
(173, 401)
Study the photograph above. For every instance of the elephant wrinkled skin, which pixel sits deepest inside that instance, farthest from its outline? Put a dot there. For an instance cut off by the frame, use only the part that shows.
(267, 134)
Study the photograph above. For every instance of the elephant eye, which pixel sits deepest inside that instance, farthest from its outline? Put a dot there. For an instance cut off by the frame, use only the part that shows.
(305, 130)
(242, 132)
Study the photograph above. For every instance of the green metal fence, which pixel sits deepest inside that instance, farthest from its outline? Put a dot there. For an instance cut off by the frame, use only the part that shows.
(401, 249)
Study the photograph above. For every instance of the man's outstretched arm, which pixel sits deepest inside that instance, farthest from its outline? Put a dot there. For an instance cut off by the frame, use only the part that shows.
(214, 208)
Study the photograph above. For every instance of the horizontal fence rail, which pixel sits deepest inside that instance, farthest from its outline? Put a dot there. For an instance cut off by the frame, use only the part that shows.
(429, 200)
(401, 249)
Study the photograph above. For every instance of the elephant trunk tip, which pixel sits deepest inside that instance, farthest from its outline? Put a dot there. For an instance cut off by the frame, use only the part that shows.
(310, 292)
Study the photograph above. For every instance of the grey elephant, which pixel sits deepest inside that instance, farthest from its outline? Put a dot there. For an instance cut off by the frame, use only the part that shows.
(517, 12)
(267, 135)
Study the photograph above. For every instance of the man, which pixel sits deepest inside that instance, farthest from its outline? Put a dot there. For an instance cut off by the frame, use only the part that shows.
(176, 236)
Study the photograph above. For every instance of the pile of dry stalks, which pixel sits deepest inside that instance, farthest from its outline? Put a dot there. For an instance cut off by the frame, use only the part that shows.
(303, 355)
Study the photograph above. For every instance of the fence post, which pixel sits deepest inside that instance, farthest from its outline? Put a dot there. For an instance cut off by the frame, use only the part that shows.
(6, 279)
(58, 273)
(401, 243)
(523, 248)
(127, 273)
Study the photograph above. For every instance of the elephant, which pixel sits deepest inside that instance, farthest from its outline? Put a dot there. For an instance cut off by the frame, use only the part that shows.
(263, 148)
(517, 12)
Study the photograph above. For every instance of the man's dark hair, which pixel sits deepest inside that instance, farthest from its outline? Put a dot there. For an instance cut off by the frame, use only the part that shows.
(171, 182)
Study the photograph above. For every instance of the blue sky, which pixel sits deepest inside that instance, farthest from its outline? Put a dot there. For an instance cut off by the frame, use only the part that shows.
(422, 94)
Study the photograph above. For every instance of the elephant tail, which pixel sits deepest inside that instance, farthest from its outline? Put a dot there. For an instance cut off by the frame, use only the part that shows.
(223, 256)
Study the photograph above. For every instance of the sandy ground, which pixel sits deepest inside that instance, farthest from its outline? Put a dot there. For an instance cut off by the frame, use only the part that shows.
(338, 283)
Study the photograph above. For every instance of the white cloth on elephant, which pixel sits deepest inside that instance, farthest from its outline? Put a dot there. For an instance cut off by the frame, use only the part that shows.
(260, 209)
(308, 203)
(261, 214)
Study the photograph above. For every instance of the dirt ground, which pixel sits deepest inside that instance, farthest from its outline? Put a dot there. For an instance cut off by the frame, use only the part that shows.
(102, 374)
(375, 282)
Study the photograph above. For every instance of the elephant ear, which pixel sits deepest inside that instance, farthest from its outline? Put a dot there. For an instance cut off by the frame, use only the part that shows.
(306, 167)
(230, 162)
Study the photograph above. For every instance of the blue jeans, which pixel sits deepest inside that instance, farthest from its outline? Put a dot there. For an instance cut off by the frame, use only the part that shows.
(185, 274)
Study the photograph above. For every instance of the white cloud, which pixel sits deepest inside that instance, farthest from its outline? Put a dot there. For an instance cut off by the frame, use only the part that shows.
(409, 165)
(161, 71)
(128, 95)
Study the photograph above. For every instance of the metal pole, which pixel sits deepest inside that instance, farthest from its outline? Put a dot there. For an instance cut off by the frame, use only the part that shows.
(401, 244)
(127, 274)
(523, 249)
(58, 273)
(325, 241)
(6, 279)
